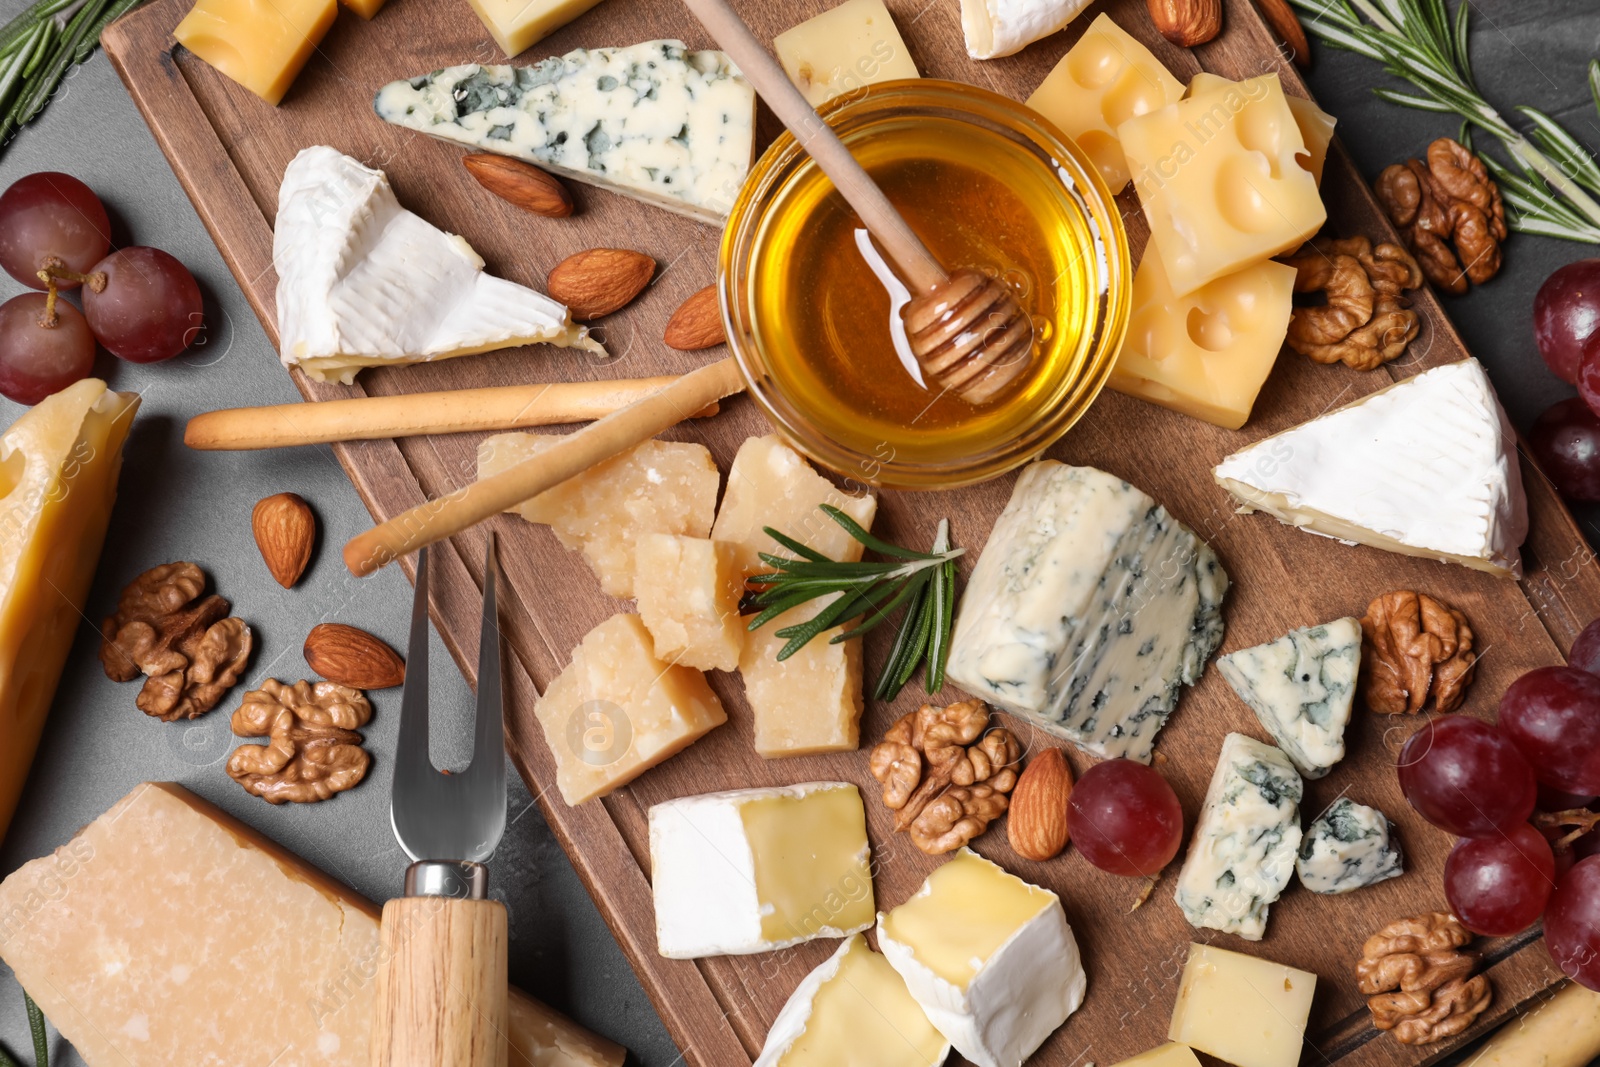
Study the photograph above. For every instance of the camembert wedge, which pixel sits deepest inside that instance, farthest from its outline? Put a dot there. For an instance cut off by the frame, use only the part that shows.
(996, 28)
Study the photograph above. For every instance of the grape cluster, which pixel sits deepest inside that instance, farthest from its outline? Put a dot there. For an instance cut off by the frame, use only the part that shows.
(1485, 782)
(140, 303)
(1566, 326)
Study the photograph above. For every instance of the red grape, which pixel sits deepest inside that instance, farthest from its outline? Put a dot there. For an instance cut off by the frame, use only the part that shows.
(1586, 649)
(1553, 716)
(1565, 313)
(1560, 800)
(1572, 923)
(51, 214)
(36, 361)
(1125, 818)
(1498, 885)
(1566, 443)
(1588, 382)
(1466, 777)
(149, 309)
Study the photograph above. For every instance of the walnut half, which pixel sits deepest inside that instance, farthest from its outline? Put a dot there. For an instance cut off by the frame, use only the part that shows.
(1449, 198)
(1416, 649)
(1418, 983)
(312, 751)
(1366, 321)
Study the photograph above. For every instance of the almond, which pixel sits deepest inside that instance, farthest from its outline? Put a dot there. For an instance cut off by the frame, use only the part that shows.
(697, 323)
(1037, 825)
(1187, 22)
(522, 184)
(286, 531)
(353, 657)
(599, 281)
(1286, 24)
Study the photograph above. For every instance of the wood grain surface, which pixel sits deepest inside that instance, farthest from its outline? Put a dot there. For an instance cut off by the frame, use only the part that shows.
(229, 150)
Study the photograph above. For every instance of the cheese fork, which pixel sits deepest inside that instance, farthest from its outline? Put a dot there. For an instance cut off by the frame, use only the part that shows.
(441, 993)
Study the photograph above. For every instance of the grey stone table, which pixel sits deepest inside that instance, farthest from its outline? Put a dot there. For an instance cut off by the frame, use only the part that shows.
(177, 504)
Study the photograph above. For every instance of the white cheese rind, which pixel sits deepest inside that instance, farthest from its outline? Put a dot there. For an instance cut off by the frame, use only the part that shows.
(995, 28)
(654, 121)
(1088, 611)
(1245, 840)
(1347, 847)
(1301, 687)
(1427, 467)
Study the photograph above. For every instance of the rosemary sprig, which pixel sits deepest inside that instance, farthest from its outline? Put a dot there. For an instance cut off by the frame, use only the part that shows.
(39, 46)
(41, 1038)
(1553, 188)
(923, 582)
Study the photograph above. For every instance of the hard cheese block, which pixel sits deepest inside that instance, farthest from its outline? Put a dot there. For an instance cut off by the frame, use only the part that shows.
(517, 25)
(1250, 1012)
(1104, 80)
(995, 28)
(654, 121)
(1088, 611)
(989, 957)
(1347, 847)
(1316, 125)
(1245, 840)
(365, 8)
(168, 933)
(753, 870)
(843, 49)
(616, 710)
(1426, 467)
(853, 1011)
(261, 44)
(1209, 353)
(665, 487)
(808, 703)
(61, 459)
(1219, 181)
(364, 282)
(1301, 687)
(689, 590)
(1171, 1054)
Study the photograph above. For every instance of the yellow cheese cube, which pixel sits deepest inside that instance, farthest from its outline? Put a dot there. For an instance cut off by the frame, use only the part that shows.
(616, 710)
(1249, 1011)
(261, 44)
(1316, 125)
(770, 485)
(1169, 1055)
(365, 8)
(1206, 354)
(839, 51)
(58, 469)
(689, 590)
(810, 702)
(516, 25)
(654, 487)
(1219, 181)
(1105, 79)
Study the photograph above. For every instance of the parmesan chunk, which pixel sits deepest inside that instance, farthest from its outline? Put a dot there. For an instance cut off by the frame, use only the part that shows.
(688, 590)
(810, 702)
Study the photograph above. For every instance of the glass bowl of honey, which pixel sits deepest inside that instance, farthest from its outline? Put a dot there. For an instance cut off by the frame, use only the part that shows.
(813, 311)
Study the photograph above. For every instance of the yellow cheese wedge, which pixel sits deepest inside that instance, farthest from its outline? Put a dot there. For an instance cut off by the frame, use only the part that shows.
(1219, 181)
(1316, 125)
(1206, 354)
(365, 8)
(261, 44)
(688, 590)
(1103, 81)
(169, 933)
(58, 471)
(1248, 1011)
(1171, 1054)
(517, 25)
(808, 703)
(844, 49)
(1560, 1031)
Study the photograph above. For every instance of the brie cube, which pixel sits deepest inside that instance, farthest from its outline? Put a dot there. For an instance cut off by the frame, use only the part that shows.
(853, 1011)
(518, 25)
(996, 28)
(1347, 847)
(989, 957)
(1171, 1054)
(653, 121)
(1089, 610)
(1245, 840)
(1426, 467)
(843, 49)
(1301, 687)
(362, 281)
(752, 870)
(1250, 1012)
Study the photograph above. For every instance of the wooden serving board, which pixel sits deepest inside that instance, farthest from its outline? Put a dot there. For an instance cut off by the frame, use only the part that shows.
(229, 151)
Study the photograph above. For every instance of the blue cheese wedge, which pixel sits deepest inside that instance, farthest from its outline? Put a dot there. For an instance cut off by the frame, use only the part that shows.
(654, 121)
(1301, 687)
(1346, 847)
(1089, 610)
(1245, 841)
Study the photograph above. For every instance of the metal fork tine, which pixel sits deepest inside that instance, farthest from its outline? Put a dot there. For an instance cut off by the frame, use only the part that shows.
(412, 761)
(489, 738)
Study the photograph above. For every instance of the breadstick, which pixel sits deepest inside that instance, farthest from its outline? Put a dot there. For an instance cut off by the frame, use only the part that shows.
(449, 515)
(509, 407)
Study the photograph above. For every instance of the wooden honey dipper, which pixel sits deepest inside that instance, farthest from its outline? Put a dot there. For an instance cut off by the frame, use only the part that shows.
(966, 329)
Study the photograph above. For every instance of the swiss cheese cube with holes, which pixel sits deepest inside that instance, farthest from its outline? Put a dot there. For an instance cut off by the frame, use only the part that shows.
(1316, 125)
(810, 702)
(1209, 353)
(1220, 183)
(1103, 81)
(617, 710)
(653, 487)
(689, 590)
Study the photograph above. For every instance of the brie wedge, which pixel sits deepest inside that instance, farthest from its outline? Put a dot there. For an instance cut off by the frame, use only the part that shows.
(996, 28)
(363, 282)
(1426, 467)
